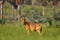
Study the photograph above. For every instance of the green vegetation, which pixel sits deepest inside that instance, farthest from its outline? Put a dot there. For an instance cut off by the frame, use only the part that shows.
(17, 31)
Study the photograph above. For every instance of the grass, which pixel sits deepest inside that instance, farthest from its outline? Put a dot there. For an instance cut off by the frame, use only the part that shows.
(16, 31)
(13, 32)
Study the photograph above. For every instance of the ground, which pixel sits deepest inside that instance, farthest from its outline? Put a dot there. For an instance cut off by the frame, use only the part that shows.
(18, 32)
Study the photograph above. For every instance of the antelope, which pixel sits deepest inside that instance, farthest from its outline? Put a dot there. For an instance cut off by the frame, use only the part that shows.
(30, 26)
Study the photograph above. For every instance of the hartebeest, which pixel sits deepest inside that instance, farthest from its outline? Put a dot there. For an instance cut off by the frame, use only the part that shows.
(30, 26)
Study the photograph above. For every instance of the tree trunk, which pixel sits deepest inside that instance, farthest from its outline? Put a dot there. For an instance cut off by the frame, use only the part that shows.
(53, 22)
(19, 12)
(2, 11)
(43, 11)
(32, 3)
(13, 12)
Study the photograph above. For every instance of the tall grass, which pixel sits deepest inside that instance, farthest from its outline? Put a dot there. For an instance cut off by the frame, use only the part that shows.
(13, 32)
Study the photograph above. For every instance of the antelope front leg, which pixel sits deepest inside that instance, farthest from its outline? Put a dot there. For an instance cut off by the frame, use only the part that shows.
(28, 29)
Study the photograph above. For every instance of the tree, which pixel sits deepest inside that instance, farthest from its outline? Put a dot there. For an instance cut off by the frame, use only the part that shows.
(2, 3)
(16, 4)
(54, 4)
(44, 4)
(33, 3)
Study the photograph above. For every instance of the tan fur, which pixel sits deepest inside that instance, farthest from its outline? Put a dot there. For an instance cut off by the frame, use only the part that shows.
(30, 26)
